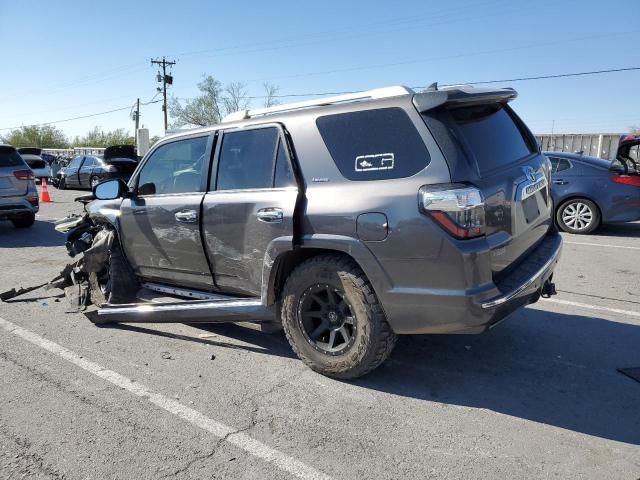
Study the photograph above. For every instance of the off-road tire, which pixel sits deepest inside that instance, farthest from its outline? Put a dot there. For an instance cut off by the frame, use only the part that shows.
(122, 282)
(24, 221)
(595, 221)
(374, 339)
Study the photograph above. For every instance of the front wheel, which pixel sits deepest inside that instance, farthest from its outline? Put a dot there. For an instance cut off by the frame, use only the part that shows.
(332, 318)
(579, 216)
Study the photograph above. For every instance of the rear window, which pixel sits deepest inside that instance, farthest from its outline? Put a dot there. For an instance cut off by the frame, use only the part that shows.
(35, 164)
(10, 158)
(374, 144)
(492, 135)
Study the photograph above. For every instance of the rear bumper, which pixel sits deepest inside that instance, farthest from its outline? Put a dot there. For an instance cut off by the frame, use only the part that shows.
(12, 207)
(421, 311)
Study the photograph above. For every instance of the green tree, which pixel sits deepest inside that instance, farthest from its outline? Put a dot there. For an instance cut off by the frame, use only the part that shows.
(97, 137)
(204, 109)
(634, 130)
(46, 136)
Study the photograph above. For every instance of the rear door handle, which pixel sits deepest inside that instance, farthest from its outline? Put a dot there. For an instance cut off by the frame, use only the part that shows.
(560, 182)
(187, 216)
(270, 215)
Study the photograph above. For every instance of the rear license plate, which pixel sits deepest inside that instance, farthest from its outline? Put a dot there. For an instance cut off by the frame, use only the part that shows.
(531, 210)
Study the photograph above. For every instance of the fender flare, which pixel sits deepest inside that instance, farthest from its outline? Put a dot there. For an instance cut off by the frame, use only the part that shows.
(356, 249)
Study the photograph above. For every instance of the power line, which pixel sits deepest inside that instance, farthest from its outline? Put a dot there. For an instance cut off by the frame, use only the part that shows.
(316, 94)
(128, 107)
(545, 77)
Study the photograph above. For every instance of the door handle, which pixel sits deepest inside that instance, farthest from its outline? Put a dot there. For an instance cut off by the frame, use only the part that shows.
(270, 215)
(187, 216)
(560, 182)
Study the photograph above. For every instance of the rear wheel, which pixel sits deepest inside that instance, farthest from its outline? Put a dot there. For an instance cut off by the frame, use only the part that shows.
(332, 318)
(24, 221)
(578, 215)
(93, 182)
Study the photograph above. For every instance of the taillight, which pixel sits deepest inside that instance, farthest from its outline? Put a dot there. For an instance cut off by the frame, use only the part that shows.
(457, 208)
(633, 180)
(23, 174)
(33, 200)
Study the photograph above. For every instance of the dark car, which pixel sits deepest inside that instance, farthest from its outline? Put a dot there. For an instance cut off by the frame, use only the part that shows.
(87, 171)
(588, 192)
(346, 220)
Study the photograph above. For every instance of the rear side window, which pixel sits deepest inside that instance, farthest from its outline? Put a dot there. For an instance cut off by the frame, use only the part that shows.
(492, 135)
(374, 144)
(246, 159)
(10, 158)
(559, 164)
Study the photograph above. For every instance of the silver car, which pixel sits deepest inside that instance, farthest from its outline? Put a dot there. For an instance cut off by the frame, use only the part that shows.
(33, 158)
(18, 194)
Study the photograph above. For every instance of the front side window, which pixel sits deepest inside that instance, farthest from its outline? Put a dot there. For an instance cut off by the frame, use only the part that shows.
(374, 144)
(175, 167)
(246, 159)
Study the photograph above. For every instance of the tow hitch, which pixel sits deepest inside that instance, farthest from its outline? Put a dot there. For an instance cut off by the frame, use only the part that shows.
(548, 289)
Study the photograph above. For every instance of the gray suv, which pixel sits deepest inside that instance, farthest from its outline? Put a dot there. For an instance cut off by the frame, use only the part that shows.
(347, 220)
(18, 194)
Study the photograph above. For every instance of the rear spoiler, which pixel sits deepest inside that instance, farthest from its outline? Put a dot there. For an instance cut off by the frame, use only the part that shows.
(461, 96)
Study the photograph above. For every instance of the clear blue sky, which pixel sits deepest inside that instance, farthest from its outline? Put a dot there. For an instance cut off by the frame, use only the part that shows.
(65, 59)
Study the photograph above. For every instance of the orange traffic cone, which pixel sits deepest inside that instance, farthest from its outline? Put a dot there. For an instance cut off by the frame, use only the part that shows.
(45, 198)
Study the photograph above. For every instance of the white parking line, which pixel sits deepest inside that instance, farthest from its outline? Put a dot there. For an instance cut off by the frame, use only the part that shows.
(588, 306)
(605, 245)
(220, 430)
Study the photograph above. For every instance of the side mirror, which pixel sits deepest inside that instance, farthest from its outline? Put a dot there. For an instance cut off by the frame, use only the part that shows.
(110, 190)
(147, 189)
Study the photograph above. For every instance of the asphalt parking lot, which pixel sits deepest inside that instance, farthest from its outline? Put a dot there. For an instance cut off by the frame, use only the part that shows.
(539, 396)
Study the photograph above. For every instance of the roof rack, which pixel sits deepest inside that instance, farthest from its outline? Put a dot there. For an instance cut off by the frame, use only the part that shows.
(385, 92)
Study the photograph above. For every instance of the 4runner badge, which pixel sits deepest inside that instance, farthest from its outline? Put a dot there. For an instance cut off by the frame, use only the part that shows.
(379, 161)
(535, 182)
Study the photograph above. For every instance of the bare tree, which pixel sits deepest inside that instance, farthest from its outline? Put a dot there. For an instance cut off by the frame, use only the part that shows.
(205, 109)
(271, 91)
(235, 97)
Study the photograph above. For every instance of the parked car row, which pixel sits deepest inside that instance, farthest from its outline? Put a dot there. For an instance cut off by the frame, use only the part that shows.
(87, 171)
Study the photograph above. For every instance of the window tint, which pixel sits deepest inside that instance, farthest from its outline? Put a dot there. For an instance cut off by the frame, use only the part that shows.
(559, 164)
(75, 163)
(175, 167)
(374, 144)
(284, 176)
(89, 162)
(10, 158)
(492, 135)
(36, 164)
(246, 159)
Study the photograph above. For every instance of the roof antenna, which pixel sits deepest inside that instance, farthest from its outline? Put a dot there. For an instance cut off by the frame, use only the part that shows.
(432, 88)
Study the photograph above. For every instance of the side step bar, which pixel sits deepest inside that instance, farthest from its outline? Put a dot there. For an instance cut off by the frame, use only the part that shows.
(190, 311)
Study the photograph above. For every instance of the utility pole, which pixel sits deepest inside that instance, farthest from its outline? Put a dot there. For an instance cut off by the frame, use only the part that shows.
(166, 80)
(136, 118)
